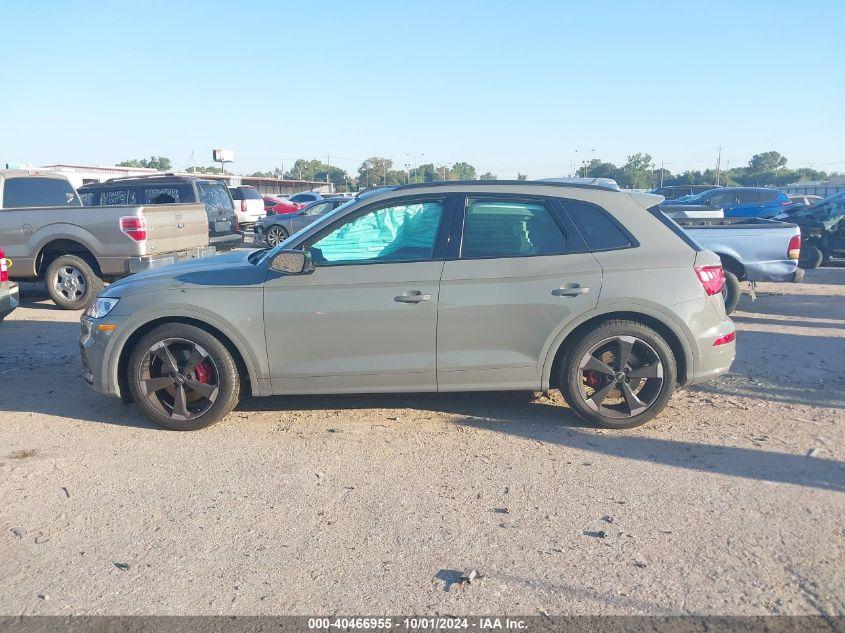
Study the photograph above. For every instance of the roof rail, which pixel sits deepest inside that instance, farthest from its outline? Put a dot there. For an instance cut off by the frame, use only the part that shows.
(605, 184)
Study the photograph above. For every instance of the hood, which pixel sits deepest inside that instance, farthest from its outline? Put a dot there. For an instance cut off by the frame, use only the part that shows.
(230, 269)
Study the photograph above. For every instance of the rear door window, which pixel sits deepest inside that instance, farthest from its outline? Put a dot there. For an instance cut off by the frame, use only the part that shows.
(599, 229)
(723, 199)
(39, 192)
(117, 197)
(510, 228)
(749, 196)
(167, 194)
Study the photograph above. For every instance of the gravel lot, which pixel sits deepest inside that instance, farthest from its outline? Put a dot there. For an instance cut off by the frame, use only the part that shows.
(731, 502)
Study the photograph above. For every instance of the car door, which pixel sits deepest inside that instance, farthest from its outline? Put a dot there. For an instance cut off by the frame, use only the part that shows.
(366, 318)
(516, 274)
(725, 200)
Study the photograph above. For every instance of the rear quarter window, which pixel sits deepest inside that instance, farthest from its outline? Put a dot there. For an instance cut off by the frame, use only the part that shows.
(215, 197)
(600, 230)
(39, 192)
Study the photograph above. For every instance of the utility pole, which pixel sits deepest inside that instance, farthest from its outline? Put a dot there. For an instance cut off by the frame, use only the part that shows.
(719, 164)
(328, 167)
(661, 173)
(194, 160)
(384, 173)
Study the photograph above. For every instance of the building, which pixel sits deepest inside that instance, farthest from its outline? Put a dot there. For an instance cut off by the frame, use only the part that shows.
(823, 188)
(79, 175)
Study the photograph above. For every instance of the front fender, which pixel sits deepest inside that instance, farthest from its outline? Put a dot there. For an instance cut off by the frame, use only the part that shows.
(255, 361)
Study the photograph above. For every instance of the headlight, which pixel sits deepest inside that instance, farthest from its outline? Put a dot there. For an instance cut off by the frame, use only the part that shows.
(101, 307)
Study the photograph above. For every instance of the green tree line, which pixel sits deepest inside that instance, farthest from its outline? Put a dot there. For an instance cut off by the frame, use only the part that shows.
(638, 172)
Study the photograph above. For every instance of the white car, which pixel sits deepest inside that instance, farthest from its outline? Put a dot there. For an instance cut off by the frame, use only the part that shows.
(249, 206)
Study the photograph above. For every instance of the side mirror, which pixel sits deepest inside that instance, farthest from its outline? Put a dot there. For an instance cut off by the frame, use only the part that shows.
(292, 262)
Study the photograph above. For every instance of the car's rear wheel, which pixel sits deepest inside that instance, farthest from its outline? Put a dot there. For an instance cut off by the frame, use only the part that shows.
(618, 375)
(810, 257)
(71, 282)
(731, 292)
(276, 235)
(182, 377)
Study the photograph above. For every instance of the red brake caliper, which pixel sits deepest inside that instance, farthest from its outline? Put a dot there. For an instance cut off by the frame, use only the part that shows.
(203, 372)
(593, 379)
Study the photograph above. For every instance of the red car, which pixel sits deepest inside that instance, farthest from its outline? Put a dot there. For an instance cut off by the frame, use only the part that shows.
(279, 206)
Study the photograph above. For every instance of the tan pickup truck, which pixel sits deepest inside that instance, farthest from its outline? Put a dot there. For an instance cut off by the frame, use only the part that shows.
(48, 235)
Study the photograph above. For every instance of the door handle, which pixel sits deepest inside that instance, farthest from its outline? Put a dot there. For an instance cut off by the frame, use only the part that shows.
(411, 296)
(570, 290)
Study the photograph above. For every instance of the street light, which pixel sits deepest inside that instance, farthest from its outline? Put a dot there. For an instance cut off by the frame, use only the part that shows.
(585, 163)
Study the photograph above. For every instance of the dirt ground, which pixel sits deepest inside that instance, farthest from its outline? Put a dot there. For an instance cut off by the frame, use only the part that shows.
(731, 502)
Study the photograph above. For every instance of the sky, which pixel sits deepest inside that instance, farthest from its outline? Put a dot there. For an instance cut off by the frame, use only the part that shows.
(509, 87)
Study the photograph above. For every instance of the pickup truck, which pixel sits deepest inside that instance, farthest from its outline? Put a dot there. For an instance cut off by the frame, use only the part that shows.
(50, 236)
(751, 249)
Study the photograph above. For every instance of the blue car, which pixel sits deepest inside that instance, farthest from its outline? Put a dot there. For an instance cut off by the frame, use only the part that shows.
(740, 202)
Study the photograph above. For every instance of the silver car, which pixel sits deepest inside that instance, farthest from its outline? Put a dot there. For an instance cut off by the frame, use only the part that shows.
(275, 229)
(435, 287)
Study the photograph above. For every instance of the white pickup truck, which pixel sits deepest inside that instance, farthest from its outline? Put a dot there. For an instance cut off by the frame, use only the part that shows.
(48, 235)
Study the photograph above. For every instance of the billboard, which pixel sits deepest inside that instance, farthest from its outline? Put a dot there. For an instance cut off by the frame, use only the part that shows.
(223, 155)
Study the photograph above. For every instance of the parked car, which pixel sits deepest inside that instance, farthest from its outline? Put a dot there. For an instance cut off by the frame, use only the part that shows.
(306, 197)
(751, 249)
(822, 231)
(9, 296)
(51, 237)
(736, 202)
(223, 229)
(276, 206)
(801, 200)
(675, 192)
(453, 286)
(275, 229)
(249, 206)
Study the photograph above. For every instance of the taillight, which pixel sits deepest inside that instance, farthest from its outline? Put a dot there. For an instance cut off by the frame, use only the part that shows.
(712, 278)
(786, 204)
(133, 227)
(243, 206)
(727, 338)
(236, 226)
(793, 251)
(4, 268)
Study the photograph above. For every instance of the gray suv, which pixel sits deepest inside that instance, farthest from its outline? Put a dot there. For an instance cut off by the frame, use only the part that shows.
(434, 287)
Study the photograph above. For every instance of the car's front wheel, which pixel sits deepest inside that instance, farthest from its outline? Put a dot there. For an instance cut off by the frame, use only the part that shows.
(276, 235)
(182, 377)
(618, 375)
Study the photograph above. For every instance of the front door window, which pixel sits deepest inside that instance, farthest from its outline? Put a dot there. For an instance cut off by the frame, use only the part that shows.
(400, 233)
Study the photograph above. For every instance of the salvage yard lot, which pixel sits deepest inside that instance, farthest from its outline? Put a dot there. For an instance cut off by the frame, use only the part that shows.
(729, 502)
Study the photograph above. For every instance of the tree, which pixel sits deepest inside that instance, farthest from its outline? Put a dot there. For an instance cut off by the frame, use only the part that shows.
(463, 171)
(161, 163)
(487, 176)
(520, 176)
(319, 171)
(637, 171)
(377, 171)
(767, 161)
(424, 173)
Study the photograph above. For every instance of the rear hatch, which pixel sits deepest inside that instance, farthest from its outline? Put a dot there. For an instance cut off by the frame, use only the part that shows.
(175, 227)
(222, 222)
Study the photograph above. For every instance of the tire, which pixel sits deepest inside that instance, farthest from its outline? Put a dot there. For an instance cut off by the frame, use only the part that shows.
(811, 257)
(731, 292)
(276, 235)
(218, 385)
(649, 353)
(72, 283)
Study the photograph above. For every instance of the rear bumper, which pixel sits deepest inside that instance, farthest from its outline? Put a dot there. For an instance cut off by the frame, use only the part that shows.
(139, 264)
(709, 366)
(225, 242)
(778, 270)
(9, 298)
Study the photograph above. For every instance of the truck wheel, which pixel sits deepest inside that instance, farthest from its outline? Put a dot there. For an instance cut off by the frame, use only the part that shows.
(182, 377)
(618, 375)
(71, 282)
(731, 292)
(811, 257)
